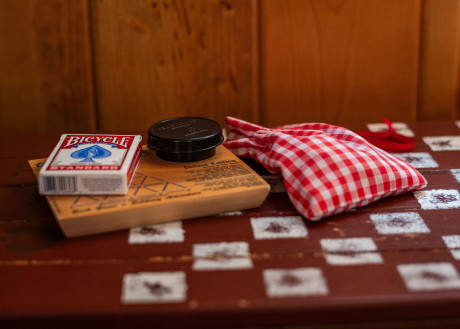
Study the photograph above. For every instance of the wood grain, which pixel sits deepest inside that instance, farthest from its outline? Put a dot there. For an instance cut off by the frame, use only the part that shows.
(80, 283)
(45, 65)
(439, 82)
(119, 66)
(338, 61)
(160, 59)
(171, 191)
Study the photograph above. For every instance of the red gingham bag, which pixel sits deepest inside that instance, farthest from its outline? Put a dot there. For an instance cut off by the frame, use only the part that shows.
(326, 169)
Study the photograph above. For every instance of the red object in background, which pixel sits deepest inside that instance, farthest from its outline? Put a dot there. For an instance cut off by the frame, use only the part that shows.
(326, 169)
(388, 140)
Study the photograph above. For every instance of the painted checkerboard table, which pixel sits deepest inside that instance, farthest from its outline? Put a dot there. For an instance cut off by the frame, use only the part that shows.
(395, 263)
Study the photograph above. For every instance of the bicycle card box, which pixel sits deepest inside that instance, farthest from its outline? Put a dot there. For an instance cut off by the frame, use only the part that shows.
(91, 164)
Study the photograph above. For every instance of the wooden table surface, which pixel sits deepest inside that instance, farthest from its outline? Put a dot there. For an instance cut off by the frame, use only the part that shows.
(397, 264)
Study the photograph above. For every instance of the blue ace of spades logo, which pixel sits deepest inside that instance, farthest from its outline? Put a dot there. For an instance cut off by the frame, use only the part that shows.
(90, 153)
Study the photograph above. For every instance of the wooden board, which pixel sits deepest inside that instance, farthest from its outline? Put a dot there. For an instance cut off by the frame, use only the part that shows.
(160, 59)
(78, 66)
(221, 268)
(163, 191)
(439, 85)
(46, 73)
(338, 61)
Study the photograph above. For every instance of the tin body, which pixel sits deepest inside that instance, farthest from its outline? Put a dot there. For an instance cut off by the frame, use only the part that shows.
(185, 139)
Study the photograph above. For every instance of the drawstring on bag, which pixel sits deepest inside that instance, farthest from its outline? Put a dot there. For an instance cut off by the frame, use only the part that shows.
(388, 140)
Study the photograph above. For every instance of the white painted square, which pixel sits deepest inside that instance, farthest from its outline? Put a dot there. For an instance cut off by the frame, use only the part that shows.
(278, 227)
(418, 159)
(154, 287)
(453, 243)
(456, 173)
(400, 128)
(443, 143)
(438, 199)
(160, 233)
(399, 223)
(299, 282)
(230, 214)
(429, 276)
(351, 251)
(221, 256)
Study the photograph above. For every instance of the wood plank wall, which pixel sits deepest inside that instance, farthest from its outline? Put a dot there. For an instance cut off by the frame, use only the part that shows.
(118, 66)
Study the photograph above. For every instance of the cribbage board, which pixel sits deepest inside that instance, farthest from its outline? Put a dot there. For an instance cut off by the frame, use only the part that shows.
(162, 191)
(394, 263)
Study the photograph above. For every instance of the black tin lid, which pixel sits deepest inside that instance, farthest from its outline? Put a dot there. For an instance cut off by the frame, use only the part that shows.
(185, 139)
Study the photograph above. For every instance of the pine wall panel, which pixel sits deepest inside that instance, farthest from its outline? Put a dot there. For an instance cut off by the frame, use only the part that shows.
(439, 80)
(46, 82)
(160, 59)
(338, 61)
(119, 66)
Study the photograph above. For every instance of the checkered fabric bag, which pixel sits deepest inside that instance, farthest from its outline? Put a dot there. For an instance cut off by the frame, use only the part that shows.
(326, 169)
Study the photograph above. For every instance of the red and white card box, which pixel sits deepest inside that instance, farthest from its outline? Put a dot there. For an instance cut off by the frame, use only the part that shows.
(91, 164)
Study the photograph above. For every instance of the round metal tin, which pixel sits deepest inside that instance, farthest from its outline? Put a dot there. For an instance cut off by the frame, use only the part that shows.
(185, 139)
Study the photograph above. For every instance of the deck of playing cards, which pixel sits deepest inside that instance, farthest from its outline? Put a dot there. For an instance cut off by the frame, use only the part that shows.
(91, 164)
